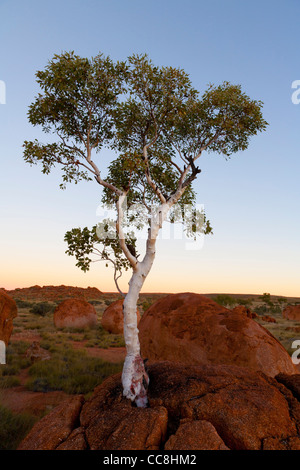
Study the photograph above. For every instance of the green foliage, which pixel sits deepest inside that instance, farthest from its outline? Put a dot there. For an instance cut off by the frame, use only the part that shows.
(245, 302)
(266, 298)
(15, 361)
(77, 103)
(42, 308)
(85, 242)
(222, 121)
(14, 427)
(71, 371)
(9, 382)
(157, 124)
(23, 303)
(225, 300)
(147, 304)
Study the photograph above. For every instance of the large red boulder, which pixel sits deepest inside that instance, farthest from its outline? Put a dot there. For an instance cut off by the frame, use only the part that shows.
(54, 428)
(190, 408)
(193, 329)
(74, 313)
(112, 319)
(8, 311)
(195, 435)
(292, 312)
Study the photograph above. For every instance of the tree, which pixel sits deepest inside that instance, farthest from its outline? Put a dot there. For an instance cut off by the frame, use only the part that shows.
(159, 127)
(282, 301)
(225, 300)
(266, 298)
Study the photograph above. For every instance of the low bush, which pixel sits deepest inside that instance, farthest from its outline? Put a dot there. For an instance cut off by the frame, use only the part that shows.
(23, 303)
(42, 308)
(14, 428)
(8, 382)
(71, 371)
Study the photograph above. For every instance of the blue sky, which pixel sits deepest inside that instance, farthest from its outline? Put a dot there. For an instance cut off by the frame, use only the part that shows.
(251, 200)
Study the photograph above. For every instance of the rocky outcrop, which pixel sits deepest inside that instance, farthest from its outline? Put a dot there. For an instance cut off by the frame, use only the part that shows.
(269, 319)
(244, 311)
(292, 312)
(195, 435)
(8, 311)
(54, 428)
(74, 313)
(55, 293)
(112, 319)
(193, 329)
(292, 382)
(191, 407)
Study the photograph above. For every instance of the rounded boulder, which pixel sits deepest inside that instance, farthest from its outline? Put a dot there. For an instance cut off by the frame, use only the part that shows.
(193, 329)
(112, 319)
(74, 313)
(292, 312)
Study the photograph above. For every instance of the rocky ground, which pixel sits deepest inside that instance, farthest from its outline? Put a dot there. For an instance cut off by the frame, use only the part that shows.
(212, 407)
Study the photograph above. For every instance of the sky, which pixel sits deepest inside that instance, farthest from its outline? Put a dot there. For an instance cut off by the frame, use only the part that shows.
(251, 200)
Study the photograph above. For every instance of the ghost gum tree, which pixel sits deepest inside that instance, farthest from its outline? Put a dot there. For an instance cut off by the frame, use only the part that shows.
(158, 127)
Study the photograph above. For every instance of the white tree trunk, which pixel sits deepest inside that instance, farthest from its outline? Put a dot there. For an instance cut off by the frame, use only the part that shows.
(135, 379)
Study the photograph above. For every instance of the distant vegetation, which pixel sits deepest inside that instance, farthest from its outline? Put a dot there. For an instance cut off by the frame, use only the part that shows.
(42, 308)
(23, 303)
(225, 300)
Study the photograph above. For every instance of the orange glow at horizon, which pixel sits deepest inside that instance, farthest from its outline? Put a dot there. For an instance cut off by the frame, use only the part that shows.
(155, 284)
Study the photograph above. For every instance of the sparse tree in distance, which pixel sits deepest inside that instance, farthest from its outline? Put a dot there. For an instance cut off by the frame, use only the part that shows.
(282, 301)
(159, 127)
(225, 300)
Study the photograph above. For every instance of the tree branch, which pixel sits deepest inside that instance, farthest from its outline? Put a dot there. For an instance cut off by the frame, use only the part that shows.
(120, 214)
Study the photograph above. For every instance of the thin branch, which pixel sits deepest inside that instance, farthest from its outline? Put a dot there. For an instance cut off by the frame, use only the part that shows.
(116, 270)
(131, 258)
(149, 179)
(176, 166)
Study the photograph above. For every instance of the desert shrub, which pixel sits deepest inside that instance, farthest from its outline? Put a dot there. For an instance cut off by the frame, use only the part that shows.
(267, 309)
(42, 308)
(71, 371)
(15, 360)
(261, 309)
(107, 340)
(14, 428)
(146, 304)
(244, 302)
(225, 300)
(33, 326)
(9, 382)
(23, 303)
(9, 369)
(95, 302)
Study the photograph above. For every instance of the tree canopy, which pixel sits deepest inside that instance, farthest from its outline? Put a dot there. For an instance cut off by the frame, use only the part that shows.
(158, 126)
